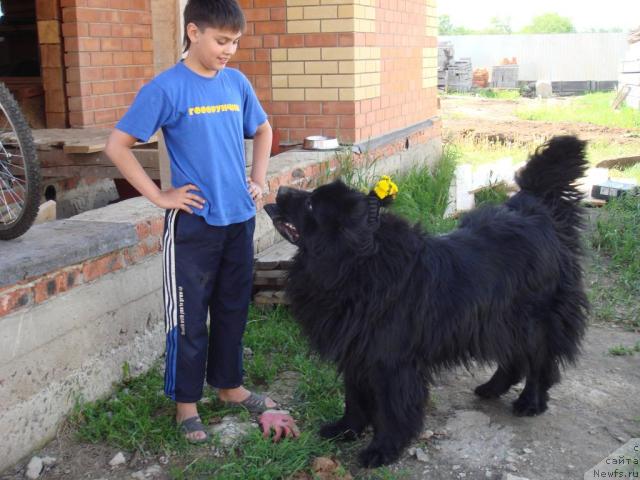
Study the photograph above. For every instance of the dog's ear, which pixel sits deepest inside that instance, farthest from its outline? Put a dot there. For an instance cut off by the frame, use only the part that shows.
(373, 210)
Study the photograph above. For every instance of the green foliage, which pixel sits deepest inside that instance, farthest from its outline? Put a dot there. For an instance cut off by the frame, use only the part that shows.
(621, 350)
(505, 94)
(591, 108)
(549, 23)
(494, 193)
(423, 194)
(617, 235)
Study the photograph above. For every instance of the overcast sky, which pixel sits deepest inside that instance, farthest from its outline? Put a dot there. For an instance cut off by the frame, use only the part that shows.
(584, 14)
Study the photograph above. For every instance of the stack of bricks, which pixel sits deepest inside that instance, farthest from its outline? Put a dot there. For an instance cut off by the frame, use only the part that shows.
(108, 56)
(351, 69)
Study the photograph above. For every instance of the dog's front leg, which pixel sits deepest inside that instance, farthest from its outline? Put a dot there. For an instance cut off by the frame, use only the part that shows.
(399, 398)
(357, 412)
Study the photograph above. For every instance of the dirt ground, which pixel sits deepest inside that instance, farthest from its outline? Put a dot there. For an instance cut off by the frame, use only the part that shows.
(592, 412)
(490, 118)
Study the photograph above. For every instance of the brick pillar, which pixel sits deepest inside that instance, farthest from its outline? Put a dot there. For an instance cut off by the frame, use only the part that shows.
(354, 69)
(51, 62)
(108, 56)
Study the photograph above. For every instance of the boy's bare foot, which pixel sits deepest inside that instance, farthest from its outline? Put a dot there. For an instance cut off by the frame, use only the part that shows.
(185, 411)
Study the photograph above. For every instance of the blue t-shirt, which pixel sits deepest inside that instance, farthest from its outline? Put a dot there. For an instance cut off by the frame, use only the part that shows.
(204, 122)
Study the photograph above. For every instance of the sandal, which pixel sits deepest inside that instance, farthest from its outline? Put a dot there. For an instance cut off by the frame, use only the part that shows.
(190, 425)
(255, 403)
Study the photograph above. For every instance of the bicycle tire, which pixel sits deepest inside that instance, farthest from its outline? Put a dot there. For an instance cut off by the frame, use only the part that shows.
(15, 120)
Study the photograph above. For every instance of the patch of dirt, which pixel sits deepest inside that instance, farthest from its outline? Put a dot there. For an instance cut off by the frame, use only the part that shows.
(496, 120)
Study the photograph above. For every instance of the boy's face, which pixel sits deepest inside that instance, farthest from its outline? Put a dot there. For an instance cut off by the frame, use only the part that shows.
(212, 47)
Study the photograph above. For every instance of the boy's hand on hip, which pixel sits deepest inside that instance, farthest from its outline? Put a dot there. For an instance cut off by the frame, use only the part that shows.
(255, 190)
(180, 198)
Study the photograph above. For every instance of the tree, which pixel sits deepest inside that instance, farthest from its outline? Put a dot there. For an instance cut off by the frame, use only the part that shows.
(499, 26)
(445, 27)
(549, 23)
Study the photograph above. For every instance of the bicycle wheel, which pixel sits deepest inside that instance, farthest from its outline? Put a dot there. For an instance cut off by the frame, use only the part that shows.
(19, 170)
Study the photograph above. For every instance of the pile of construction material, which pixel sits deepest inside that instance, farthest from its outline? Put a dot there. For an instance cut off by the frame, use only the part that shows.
(480, 78)
(445, 57)
(270, 273)
(460, 75)
(629, 89)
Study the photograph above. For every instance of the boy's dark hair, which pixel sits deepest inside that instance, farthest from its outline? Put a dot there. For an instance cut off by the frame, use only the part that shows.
(222, 14)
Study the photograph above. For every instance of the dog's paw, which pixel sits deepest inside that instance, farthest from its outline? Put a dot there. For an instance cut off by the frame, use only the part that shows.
(487, 391)
(373, 457)
(338, 430)
(527, 408)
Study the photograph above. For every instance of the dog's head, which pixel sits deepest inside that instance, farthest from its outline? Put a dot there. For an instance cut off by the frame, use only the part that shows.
(332, 216)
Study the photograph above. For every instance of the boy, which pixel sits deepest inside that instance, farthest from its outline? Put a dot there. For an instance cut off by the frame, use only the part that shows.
(205, 110)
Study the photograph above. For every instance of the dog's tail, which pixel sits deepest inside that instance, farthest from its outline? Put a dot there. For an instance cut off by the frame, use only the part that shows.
(551, 174)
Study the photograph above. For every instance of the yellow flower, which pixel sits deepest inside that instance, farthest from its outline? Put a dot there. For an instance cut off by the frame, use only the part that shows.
(385, 187)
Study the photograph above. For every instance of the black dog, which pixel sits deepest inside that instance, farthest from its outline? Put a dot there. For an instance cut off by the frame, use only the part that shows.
(390, 305)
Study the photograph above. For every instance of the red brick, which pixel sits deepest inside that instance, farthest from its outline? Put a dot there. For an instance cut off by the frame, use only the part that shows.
(120, 4)
(268, 3)
(101, 58)
(279, 13)
(341, 108)
(141, 31)
(321, 40)
(47, 10)
(15, 299)
(99, 30)
(321, 121)
(266, 28)
(142, 58)
(256, 68)
(80, 119)
(120, 30)
(98, 3)
(101, 88)
(279, 108)
(270, 41)
(306, 108)
(292, 41)
(251, 41)
(50, 56)
(111, 44)
(257, 14)
(291, 121)
(131, 44)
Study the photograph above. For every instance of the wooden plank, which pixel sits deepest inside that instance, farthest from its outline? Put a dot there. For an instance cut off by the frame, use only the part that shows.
(622, 94)
(270, 297)
(75, 140)
(270, 278)
(58, 158)
(72, 171)
(621, 162)
(279, 255)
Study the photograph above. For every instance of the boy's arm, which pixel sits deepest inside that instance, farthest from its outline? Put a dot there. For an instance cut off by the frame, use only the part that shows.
(118, 150)
(261, 152)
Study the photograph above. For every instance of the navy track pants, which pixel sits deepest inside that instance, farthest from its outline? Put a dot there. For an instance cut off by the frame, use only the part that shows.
(207, 270)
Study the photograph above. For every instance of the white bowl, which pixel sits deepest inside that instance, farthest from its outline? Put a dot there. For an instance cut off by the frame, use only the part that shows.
(319, 142)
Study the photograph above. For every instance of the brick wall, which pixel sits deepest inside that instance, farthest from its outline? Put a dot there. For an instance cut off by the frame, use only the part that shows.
(354, 69)
(51, 62)
(108, 56)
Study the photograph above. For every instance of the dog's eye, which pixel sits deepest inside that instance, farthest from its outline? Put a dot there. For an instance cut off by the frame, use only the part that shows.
(308, 206)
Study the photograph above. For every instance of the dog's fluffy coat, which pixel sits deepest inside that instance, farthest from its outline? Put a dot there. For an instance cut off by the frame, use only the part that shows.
(391, 305)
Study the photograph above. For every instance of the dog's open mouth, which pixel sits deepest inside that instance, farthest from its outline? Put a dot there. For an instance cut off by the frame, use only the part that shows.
(284, 227)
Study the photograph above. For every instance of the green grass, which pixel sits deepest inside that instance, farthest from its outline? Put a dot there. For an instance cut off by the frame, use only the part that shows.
(503, 94)
(139, 417)
(621, 350)
(617, 239)
(494, 193)
(423, 194)
(592, 108)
